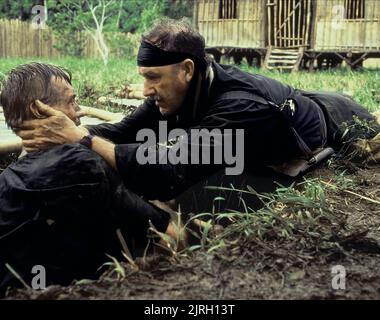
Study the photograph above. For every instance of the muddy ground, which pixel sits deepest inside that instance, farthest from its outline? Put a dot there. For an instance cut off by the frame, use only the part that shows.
(269, 269)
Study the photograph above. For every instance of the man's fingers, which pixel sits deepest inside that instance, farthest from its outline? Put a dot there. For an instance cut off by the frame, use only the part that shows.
(29, 145)
(30, 149)
(35, 144)
(47, 110)
(26, 134)
(32, 124)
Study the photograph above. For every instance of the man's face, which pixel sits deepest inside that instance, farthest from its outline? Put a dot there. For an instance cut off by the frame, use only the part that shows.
(167, 85)
(66, 99)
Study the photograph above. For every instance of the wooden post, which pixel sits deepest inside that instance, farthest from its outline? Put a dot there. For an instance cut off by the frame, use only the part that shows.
(294, 25)
(311, 62)
(362, 9)
(291, 29)
(302, 10)
(299, 59)
(195, 14)
(308, 23)
(201, 22)
(304, 20)
(268, 53)
(299, 35)
(313, 25)
(249, 26)
(246, 23)
(275, 24)
(349, 60)
(346, 8)
(287, 30)
(269, 10)
(262, 17)
(280, 12)
(262, 59)
(211, 20)
(357, 10)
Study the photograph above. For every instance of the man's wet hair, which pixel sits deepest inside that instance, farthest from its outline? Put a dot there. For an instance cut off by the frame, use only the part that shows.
(25, 84)
(176, 36)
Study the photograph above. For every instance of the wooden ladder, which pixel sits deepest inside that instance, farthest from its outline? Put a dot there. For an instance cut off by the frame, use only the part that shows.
(283, 59)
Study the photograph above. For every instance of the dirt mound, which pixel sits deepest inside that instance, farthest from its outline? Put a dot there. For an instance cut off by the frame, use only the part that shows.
(297, 265)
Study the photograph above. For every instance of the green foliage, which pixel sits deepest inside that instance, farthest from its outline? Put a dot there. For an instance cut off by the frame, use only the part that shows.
(65, 17)
(125, 15)
(177, 9)
(138, 15)
(154, 9)
(104, 80)
(123, 45)
(151, 12)
(363, 86)
(357, 128)
(70, 44)
(21, 9)
(299, 214)
(68, 19)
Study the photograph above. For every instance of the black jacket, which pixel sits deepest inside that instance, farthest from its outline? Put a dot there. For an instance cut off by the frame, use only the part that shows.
(268, 137)
(76, 188)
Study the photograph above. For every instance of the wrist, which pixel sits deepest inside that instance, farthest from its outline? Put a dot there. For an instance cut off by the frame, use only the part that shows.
(87, 141)
(80, 133)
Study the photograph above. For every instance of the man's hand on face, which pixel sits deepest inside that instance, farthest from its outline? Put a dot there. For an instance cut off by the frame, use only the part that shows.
(55, 129)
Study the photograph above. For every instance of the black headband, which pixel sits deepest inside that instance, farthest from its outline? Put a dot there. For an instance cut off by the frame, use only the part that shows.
(152, 56)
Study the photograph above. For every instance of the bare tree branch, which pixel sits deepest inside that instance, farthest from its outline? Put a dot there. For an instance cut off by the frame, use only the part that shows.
(109, 3)
(97, 33)
(119, 13)
(93, 10)
(103, 13)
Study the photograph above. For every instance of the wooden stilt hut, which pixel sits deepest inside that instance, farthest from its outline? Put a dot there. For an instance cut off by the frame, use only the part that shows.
(288, 34)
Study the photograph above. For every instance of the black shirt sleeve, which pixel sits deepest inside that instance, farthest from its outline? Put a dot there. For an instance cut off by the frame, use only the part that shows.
(145, 116)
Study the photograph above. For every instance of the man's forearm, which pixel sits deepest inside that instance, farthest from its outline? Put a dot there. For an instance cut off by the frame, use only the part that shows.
(105, 149)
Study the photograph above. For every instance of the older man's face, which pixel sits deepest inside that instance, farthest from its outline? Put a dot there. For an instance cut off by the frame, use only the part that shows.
(67, 99)
(167, 85)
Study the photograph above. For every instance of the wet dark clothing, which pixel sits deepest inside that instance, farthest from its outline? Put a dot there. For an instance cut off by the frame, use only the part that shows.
(88, 202)
(342, 113)
(232, 100)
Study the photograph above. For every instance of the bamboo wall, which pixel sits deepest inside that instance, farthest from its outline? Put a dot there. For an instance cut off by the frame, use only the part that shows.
(19, 39)
(246, 31)
(333, 33)
(289, 23)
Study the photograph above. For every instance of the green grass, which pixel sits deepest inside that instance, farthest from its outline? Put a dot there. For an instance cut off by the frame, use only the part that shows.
(363, 86)
(299, 216)
(91, 74)
(87, 73)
